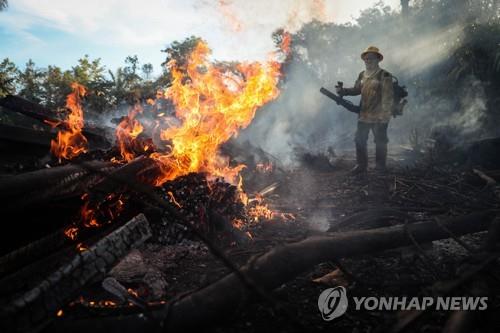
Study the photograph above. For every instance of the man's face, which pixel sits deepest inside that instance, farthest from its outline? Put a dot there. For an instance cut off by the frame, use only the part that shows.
(371, 60)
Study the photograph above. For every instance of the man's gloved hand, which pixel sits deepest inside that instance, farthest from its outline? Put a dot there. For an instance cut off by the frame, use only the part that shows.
(339, 88)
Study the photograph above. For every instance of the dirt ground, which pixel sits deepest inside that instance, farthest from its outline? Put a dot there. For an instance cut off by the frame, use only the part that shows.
(320, 200)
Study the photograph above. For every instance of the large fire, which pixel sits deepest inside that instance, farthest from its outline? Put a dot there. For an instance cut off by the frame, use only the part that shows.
(212, 103)
(70, 140)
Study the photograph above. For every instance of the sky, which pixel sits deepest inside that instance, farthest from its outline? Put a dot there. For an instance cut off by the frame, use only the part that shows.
(59, 32)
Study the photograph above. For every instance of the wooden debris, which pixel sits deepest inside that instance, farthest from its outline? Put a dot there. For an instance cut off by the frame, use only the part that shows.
(48, 184)
(489, 181)
(215, 302)
(38, 305)
(334, 278)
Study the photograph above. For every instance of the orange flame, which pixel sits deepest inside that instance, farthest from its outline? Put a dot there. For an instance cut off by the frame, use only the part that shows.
(70, 140)
(286, 42)
(81, 247)
(95, 214)
(238, 223)
(126, 133)
(89, 216)
(71, 232)
(213, 104)
(262, 212)
(172, 199)
(133, 292)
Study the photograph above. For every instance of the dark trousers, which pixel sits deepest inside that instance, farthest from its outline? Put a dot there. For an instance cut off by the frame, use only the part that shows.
(380, 134)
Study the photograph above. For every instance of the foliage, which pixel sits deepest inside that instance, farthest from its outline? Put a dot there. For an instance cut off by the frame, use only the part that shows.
(30, 82)
(106, 89)
(8, 74)
(177, 52)
(3, 4)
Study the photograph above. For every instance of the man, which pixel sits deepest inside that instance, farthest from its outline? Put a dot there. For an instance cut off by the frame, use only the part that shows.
(375, 86)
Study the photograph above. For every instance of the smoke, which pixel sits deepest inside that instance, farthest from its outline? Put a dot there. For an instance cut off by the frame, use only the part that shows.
(301, 118)
(302, 12)
(415, 55)
(105, 121)
(471, 113)
(232, 20)
(291, 15)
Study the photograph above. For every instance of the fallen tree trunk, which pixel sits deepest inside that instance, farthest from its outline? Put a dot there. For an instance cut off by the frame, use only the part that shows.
(38, 305)
(219, 300)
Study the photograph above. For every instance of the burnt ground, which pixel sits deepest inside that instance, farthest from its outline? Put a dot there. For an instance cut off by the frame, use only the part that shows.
(320, 200)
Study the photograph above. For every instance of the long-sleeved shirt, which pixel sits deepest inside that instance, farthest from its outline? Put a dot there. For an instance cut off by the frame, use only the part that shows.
(376, 96)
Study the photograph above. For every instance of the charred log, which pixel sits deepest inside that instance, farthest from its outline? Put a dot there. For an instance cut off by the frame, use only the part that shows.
(26, 136)
(48, 184)
(32, 252)
(33, 308)
(40, 198)
(142, 170)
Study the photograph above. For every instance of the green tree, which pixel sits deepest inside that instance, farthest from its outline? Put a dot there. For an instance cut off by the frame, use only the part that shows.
(88, 71)
(3, 4)
(130, 71)
(147, 70)
(55, 87)
(8, 75)
(178, 52)
(30, 81)
(118, 86)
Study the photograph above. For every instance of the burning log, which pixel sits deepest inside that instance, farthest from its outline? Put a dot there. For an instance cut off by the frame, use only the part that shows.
(141, 169)
(45, 116)
(36, 307)
(49, 194)
(212, 205)
(278, 266)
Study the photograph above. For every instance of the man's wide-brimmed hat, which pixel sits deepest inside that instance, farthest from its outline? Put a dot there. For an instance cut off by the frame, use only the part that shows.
(372, 49)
